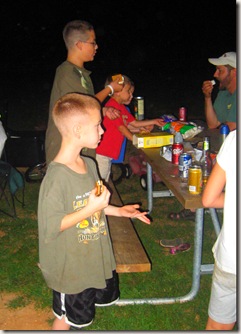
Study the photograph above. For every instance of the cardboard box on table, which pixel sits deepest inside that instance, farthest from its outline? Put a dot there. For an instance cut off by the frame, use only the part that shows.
(154, 139)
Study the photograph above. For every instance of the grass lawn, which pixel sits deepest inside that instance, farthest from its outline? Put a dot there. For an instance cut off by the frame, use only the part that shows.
(171, 275)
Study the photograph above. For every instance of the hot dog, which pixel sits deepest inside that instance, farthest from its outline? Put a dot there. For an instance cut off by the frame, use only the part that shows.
(120, 77)
(99, 185)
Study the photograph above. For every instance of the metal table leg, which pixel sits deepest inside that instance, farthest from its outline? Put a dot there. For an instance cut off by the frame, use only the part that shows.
(151, 193)
(197, 257)
(149, 188)
(215, 221)
(198, 267)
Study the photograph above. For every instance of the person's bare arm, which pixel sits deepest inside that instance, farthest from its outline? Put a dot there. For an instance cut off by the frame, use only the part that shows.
(213, 195)
(116, 87)
(111, 112)
(126, 132)
(210, 113)
(94, 204)
(232, 125)
(147, 122)
(147, 129)
(101, 202)
(102, 95)
(130, 211)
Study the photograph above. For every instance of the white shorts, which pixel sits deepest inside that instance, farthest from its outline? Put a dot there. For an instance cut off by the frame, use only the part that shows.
(222, 305)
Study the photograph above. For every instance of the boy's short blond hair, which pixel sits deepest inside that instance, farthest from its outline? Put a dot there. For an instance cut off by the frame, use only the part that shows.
(72, 108)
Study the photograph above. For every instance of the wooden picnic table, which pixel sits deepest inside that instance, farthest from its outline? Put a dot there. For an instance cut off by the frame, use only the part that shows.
(129, 252)
(169, 175)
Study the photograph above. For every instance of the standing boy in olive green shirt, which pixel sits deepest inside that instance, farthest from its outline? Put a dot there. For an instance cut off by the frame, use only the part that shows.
(75, 250)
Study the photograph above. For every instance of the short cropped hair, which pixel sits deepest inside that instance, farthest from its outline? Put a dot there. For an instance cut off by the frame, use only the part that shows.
(75, 31)
(71, 107)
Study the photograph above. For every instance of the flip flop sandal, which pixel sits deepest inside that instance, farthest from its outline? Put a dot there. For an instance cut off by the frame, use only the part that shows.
(171, 242)
(181, 248)
(184, 214)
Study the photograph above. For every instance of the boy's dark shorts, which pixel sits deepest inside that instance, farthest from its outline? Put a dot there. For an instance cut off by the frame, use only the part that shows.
(79, 309)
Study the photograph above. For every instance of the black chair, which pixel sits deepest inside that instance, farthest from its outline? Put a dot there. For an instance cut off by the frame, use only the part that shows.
(12, 186)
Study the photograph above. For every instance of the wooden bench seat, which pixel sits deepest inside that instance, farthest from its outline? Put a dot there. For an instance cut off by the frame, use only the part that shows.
(129, 252)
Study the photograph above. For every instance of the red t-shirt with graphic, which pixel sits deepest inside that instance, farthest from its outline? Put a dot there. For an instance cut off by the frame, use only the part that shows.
(112, 139)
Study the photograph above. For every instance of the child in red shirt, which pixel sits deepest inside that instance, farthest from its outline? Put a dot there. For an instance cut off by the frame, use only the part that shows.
(116, 130)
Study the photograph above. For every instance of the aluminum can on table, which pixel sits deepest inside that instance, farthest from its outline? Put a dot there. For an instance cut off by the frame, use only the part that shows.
(139, 107)
(185, 161)
(195, 180)
(182, 115)
(177, 150)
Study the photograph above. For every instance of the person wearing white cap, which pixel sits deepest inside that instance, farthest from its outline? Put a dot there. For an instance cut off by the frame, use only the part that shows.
(223, 110)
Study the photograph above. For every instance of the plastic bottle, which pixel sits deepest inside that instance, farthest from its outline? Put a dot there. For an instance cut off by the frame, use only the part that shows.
(178, 138)
(224, 131)
(206, 161)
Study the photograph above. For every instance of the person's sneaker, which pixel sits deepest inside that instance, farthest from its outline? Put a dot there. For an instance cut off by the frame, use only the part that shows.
(107, 304)
(181, 248)
(171, 242)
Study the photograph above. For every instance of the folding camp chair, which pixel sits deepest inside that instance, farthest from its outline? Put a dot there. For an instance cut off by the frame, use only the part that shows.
(124, 170)
(11, 185)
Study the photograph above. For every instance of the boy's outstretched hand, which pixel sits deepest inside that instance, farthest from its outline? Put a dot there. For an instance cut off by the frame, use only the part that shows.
(131, 211)
(159, 122)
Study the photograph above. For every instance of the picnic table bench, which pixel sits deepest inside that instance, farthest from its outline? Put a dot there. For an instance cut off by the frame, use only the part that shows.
(129, 252)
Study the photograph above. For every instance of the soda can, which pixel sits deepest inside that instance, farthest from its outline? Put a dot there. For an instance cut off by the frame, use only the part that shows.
(177, 150)
(185, 161)
(139, 107)
(164, 149)
(182, 115)
(195, 180)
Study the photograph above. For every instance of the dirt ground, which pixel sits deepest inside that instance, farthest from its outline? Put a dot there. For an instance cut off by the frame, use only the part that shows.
(25, 318)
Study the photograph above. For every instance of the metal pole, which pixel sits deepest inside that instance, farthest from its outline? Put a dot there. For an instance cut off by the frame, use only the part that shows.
(197, 257)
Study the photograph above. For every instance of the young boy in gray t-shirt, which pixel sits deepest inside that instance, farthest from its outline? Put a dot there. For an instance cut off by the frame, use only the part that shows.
(75, 250)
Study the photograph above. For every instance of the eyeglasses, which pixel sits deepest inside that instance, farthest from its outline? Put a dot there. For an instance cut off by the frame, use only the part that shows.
(92, 43)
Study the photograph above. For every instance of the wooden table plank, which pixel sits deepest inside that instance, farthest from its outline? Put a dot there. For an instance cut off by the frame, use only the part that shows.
(169, 173)
(129, 252)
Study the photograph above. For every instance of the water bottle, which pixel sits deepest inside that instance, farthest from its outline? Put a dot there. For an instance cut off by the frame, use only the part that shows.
(178, 138)
(224, 131)
(206, 161)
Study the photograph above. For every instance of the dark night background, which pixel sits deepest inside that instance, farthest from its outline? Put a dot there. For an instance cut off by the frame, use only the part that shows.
(162, 45)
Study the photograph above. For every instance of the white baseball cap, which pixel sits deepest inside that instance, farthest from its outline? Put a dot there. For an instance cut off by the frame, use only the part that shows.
(228, 58)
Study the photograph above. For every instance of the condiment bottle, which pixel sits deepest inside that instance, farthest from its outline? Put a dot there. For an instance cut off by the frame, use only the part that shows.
(178, 138)
(206, 161)
(224, 131)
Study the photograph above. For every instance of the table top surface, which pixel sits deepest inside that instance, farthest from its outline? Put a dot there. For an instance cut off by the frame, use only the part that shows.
(169, 172)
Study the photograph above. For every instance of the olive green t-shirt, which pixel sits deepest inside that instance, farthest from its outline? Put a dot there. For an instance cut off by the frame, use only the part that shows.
(81, 256)
(69, 78)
